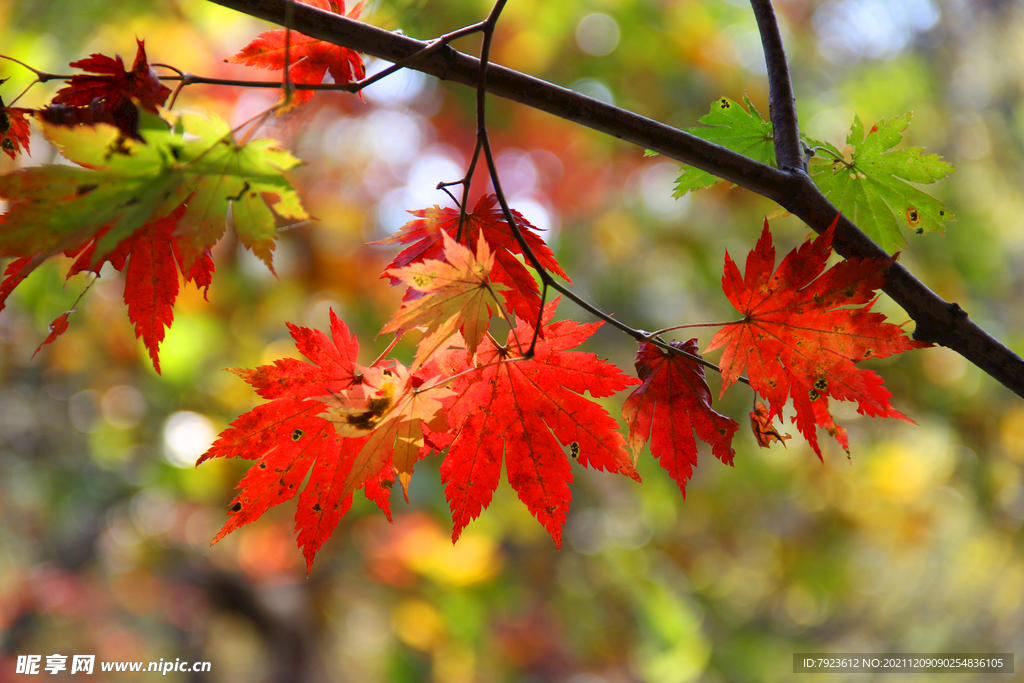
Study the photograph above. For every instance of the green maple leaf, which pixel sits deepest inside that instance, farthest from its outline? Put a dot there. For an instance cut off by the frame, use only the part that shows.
(125, 183)
(224, 173)
(58, 207)
(870, 188)
(732, 126)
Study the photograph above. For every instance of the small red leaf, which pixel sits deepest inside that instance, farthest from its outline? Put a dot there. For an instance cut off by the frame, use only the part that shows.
(673, 402)
(109, 91)
(308, 59)
(110, 83)
(16, 271)
(57, 328)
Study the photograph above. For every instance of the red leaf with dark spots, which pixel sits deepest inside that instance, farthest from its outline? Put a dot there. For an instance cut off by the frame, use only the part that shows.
(528, 411)
(800, 338)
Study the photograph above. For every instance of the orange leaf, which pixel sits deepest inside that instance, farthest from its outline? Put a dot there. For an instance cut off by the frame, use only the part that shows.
(389, 408)
(764, 431)
(459, 297)
(799, 337)
(487, 220)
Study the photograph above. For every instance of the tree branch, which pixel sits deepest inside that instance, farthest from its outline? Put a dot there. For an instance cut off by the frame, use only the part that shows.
(937, 320)
(781, 101)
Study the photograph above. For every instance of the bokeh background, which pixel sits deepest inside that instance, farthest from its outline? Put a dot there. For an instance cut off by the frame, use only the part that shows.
(913, 544)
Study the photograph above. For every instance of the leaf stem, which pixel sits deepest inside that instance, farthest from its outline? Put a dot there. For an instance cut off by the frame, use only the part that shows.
(468, 371)
(658, 333)
(391, 346)
(837, 157)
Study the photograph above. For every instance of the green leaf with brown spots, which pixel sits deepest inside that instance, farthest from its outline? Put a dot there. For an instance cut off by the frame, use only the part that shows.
(869, 183)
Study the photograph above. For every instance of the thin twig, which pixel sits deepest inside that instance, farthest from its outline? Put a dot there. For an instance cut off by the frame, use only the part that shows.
(483, 141)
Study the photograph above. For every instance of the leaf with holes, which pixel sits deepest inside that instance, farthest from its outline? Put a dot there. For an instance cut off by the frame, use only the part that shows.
(308, 59)
(800, 338)
(526, 411)
(672, 403)
(459, 297)
(730, 125)
(870, 186)
(288, 436)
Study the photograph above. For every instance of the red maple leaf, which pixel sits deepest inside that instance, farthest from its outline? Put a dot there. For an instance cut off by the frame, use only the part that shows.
(14, 131)
(287, 437)
(353, 425)
(524, 409)
(487, 219)
(151, 275)
(309, 59)
(673, 402)
(110, 89)
(800, 339)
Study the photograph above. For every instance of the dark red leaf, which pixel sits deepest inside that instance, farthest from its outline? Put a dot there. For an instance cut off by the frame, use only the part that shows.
(673, 402)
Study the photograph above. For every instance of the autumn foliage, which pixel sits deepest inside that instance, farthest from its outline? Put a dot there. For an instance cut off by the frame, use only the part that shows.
(151, 193)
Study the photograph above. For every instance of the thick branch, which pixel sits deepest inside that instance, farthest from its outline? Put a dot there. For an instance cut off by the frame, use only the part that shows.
(937, 320)
(781, 101)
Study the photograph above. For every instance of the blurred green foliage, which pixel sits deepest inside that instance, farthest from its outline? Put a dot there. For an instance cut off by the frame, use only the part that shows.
(912, 545)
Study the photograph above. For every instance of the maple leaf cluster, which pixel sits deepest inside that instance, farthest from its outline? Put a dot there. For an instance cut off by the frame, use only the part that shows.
(484, 403)
(150, 196)
(153, 191)
(866, 180)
